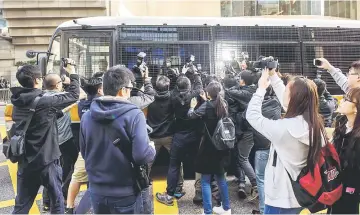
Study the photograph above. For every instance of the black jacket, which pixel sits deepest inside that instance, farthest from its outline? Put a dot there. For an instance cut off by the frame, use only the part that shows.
(271, 109)
(42, 143)
(160, 116)
(241, 96)
(209, 160)
(180, 101)
(84, 105)
(233, 107)
(348, 147)
(327, 106)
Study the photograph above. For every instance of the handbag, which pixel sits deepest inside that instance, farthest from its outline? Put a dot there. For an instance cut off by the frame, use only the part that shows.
(14, 145)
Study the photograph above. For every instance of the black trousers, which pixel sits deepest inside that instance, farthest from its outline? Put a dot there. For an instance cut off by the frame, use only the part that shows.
(69, 154)
(347, 204)
(29, 182)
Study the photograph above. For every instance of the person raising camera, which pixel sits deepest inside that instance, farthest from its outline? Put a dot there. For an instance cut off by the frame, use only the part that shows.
(296, 140)
(346, 83)
(209, 160)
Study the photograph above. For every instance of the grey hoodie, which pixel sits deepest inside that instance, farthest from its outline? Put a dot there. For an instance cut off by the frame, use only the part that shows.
(290, 139)
(340, 79)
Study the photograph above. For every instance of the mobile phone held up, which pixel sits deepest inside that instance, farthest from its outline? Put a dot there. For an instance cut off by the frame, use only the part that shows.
(317, 62)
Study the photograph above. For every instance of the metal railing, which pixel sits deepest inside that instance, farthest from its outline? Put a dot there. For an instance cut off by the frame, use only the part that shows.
(5, 95)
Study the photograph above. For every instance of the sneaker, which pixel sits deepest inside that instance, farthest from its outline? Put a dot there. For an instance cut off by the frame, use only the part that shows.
(46, 208)
(242, 193)
(165, 199)
(198, 197)
(69, 210)
(255, 212)
(220, 210)
(178, 194)
(254, 194)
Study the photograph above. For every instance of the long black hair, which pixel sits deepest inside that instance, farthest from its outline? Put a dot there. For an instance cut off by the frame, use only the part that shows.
(216, 92)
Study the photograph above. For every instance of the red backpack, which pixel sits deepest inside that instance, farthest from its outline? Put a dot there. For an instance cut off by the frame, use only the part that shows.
(322, 189)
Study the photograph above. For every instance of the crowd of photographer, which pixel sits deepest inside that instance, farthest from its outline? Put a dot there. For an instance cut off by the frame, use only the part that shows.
(198, 118)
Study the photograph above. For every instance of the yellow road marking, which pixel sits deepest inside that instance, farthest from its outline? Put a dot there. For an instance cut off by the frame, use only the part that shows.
(13, 175)
(3, 131)
(7, 203)
(3, 163)
(306, 211)
(159, 186)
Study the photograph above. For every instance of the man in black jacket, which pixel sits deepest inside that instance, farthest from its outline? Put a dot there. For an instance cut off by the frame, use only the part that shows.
(69, 151)
(187, 134)
(40, 165)
(327, 103)
(161, 119)
(241, 95)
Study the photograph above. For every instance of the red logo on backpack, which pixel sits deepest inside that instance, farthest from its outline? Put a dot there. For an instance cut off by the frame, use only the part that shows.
(322, 189)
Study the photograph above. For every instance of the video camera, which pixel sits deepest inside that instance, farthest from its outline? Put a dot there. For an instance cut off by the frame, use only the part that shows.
(265, 62)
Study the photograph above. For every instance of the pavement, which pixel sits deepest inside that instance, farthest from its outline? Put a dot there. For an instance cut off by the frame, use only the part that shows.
(185, 205)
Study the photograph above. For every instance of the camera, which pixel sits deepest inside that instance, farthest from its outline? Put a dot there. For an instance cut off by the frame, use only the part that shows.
(266, 62)
(140, 61)
(66, 62)
(317, 62)
(190, 60)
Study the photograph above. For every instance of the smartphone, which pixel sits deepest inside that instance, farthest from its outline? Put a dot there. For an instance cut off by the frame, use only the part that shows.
(317, 62)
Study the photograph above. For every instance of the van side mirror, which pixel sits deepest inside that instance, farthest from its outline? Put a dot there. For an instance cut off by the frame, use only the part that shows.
(31, 54)
(43, 65)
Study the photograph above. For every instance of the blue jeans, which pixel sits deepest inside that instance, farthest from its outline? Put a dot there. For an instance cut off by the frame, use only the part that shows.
(116, 205)
(147, 203)
(275, 210)
(29, 182)
(261, 159)
(84, 204)
(206, 192)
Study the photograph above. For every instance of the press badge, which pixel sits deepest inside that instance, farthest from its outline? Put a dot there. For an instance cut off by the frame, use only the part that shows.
(350, 190)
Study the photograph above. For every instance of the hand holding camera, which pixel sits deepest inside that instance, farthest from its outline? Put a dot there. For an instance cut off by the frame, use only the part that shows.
(193, 103)
(146, 72)
(264, 81)
(69, 65)
(184, 69)
(322, 63)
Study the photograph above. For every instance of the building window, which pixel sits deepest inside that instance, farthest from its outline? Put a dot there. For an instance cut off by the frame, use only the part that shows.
(267, 7)
(340, 8)
(226, 9)
(337, 8)
(249, 8)
(238, 8)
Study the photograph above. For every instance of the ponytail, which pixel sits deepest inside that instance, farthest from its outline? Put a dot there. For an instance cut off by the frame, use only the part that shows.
(221, 106)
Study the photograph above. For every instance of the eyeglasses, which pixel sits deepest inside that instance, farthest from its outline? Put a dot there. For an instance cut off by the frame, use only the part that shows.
(348, 74)
(130, 88)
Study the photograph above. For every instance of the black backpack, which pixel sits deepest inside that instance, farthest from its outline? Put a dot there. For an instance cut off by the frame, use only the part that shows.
(223, 137)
